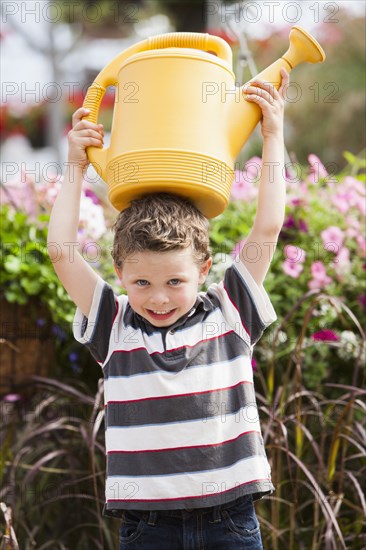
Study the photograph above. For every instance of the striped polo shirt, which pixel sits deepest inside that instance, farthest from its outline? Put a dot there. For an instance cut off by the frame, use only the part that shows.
(181, 422)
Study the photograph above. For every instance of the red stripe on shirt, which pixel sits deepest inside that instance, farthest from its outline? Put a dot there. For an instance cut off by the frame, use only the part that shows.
(179, 394)
(173, 349)
(187, 447)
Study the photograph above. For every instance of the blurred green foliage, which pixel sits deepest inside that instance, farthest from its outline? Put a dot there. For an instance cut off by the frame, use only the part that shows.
(326, 108)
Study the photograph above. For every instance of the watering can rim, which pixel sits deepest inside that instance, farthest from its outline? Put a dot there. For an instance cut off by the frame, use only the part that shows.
(191, 53)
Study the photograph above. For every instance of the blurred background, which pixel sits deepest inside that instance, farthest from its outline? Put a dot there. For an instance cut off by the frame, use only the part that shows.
(309, 368)
(52, 51)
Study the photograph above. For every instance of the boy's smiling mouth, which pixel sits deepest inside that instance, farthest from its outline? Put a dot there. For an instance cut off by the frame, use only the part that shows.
(162, 315)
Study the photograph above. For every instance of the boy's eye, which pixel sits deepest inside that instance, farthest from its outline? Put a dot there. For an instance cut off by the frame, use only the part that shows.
(174, 282)
(142, 282)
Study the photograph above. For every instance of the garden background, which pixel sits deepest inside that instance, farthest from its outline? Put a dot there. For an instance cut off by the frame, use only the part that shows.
(309, 366)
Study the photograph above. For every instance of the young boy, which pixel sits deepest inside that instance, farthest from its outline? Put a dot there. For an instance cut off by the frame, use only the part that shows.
(185, 455)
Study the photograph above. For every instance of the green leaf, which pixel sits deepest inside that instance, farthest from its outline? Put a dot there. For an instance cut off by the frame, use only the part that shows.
(31, 287)
(12, 264)
(350, 157)
(15, 297)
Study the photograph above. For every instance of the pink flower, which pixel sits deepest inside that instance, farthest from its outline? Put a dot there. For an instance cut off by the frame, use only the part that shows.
(341, 202)
(318, 270)
(351, 232)
(360, 204)
(354, 227)
(292, 269)
(325, 335)
(353, 222)
(354, 184)
(332, 235)
(21, 193)
(243, 187)
(295, 254)
(12, 397)
(350, 194)
(253, 168)
(238, 248)
(320, 277)
(342, 264)
(317, 169)
(361, 241)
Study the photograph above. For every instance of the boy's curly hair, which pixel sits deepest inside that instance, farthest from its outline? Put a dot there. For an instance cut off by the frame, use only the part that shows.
(160, 222)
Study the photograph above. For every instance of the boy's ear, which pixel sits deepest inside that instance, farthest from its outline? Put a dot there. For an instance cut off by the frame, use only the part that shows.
(204, 269)
(118, 272)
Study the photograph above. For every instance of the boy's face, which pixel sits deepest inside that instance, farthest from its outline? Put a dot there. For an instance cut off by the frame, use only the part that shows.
(162, 286)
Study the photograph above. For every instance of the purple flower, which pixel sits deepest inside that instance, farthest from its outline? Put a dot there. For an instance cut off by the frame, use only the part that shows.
(89, 193)
(59, 333)
(303, 226)
(362, 300)
(12, 397)
(73, 356)
(296, 201)
(75, 368)
(289, 222)
(254, 364)
(325, 335)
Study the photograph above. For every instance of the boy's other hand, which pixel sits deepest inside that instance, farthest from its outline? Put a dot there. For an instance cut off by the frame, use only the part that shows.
(270, 100)
(82, 135)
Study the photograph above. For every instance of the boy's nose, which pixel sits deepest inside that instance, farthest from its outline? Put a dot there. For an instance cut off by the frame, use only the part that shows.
(159, 299)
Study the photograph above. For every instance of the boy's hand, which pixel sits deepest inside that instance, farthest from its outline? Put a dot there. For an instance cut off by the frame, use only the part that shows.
(270, 100)
(83, 134)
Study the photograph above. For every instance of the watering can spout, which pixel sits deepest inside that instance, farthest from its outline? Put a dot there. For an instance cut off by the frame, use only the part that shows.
(244, 116)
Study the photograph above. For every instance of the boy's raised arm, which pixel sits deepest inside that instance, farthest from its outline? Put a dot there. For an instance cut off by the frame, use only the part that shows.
(74, 272)
(259, 247)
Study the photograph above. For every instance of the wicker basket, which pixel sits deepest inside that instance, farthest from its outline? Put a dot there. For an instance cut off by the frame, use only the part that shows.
(27, 345)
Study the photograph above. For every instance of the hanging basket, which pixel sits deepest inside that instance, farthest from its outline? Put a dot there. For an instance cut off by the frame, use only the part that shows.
(27, 345)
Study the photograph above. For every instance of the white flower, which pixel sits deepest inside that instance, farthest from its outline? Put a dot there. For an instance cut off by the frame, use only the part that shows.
(220, 263)
(91, 218)
(324, 309)
(349, 345)
(282, 337)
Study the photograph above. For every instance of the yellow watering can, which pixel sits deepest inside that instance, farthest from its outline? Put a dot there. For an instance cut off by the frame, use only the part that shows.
(179, 121)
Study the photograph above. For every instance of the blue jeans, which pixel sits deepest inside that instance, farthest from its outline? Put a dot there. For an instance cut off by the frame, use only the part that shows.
(231, 526)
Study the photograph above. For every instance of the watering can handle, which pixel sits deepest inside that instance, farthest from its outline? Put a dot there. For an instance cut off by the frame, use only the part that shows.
(196, 40)
(108, 76)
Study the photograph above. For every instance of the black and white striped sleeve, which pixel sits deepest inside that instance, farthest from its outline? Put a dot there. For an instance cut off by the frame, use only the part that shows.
(95, 331)
(246, 304)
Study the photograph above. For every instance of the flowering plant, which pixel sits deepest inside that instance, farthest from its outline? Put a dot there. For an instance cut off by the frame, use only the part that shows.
(321, 254)
(314, 437)
(26, 269)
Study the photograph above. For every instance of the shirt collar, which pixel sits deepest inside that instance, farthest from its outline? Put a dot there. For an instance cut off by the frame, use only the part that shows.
(201, 302)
